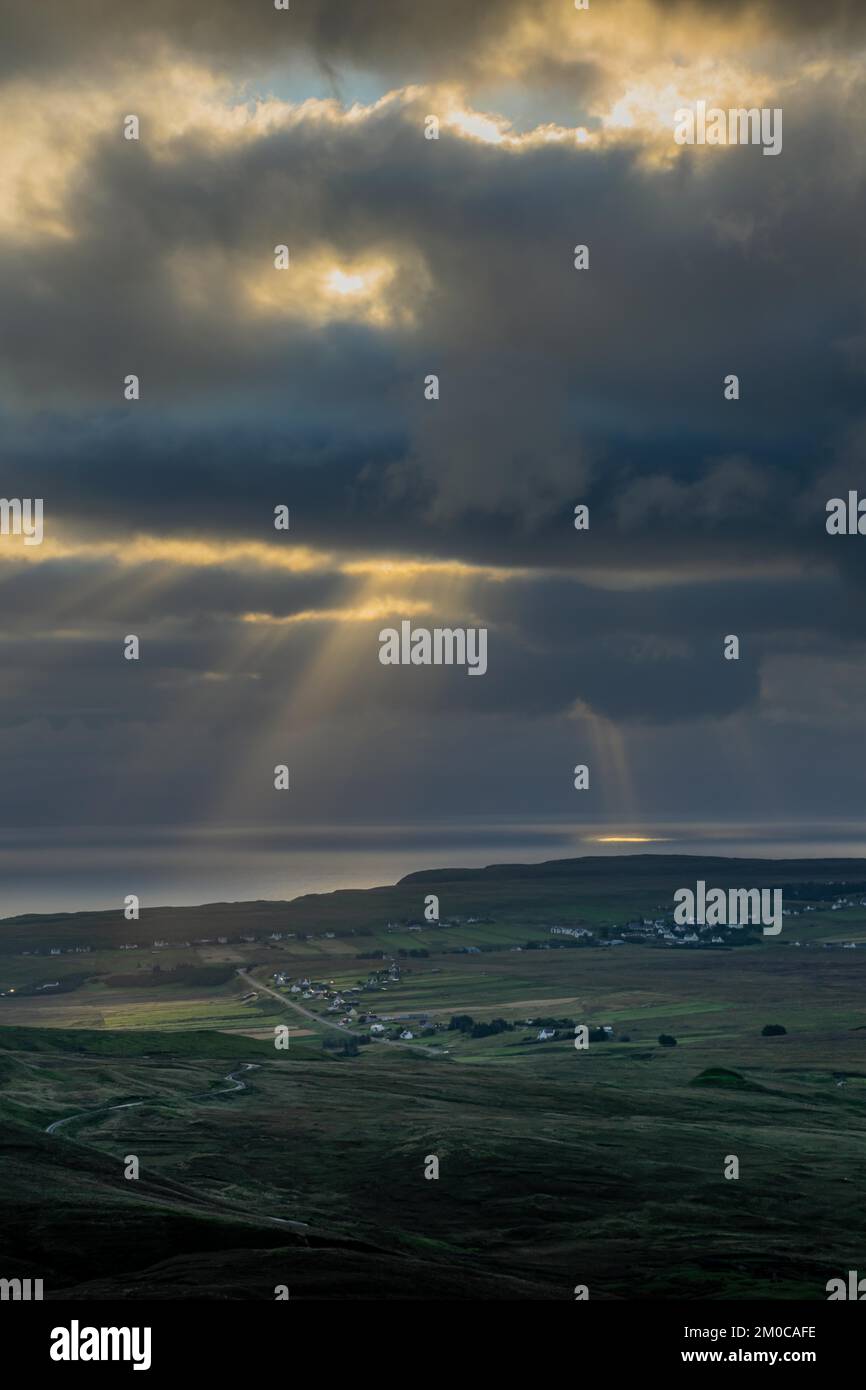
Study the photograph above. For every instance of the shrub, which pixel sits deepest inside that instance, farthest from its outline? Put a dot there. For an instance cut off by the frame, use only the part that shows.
(462, 1023)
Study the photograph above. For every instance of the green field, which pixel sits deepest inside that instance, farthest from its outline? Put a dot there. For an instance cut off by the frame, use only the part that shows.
(557, 1166)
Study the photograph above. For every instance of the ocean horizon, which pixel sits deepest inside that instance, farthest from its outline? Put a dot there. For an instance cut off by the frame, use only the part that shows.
(95, 868)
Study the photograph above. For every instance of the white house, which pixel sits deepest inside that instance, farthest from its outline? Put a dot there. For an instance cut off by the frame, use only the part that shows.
(546, 1034)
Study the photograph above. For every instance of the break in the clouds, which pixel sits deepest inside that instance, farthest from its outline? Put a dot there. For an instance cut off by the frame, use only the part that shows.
(411, 257)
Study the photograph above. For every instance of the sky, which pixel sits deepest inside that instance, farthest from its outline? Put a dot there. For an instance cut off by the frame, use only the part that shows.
(305, 388)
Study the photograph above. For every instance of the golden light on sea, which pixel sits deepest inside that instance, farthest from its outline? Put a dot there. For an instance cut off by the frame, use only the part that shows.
(628, 840)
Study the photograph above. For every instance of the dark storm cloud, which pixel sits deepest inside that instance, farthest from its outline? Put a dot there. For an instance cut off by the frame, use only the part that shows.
(552, 381)
(557, 387)
(838, 19)
(98, 593)
(261, 680)
(416, 38)
(553, 644)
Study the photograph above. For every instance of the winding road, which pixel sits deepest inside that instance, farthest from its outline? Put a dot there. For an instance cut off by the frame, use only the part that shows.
(233, 1076)
(237, 1085)
(222, 1205)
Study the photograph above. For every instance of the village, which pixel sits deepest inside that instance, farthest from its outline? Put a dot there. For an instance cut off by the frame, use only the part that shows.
(347, 1008)
(647, 930)
(423, 937)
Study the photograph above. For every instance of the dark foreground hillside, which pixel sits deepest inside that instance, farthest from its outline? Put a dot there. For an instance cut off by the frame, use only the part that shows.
(313, 1176)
